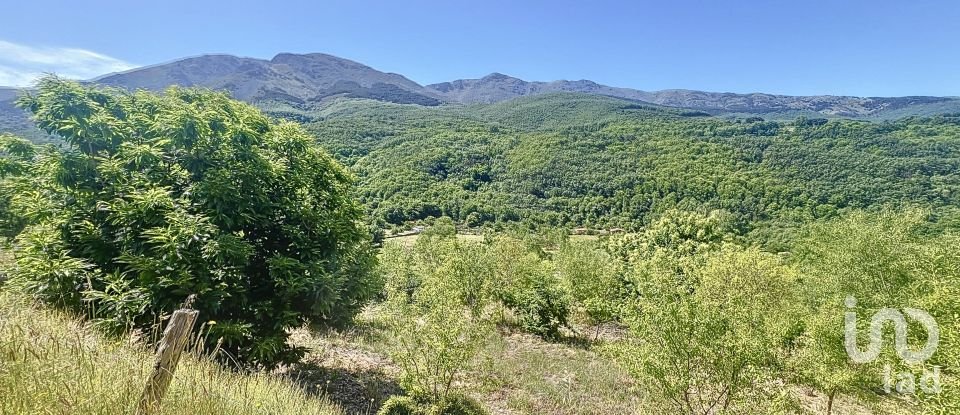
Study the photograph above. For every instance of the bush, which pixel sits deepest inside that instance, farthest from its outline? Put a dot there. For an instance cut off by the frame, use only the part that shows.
(399, 405)
(588, 273)
(707, 330)
(455, 405)
(162, 196)
(436, 301)
(889, 259)
(527, 285)
(435, 340)
(442, 227)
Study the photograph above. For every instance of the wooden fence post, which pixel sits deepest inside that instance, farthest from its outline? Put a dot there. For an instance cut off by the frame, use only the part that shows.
(175, 338)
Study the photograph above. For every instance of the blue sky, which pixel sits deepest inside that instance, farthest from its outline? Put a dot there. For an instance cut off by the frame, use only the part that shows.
(867, 48)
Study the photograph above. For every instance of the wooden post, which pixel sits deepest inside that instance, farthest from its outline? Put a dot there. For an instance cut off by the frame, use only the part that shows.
(175, 338)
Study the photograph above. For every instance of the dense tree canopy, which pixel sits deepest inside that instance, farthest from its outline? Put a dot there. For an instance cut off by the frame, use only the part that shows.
(572, 160)
(159, 197)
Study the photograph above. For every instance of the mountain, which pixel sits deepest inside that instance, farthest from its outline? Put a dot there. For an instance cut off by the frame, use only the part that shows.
(15, 120)
(298, 85)
(287, 77)
(498, 87)
(758, 103)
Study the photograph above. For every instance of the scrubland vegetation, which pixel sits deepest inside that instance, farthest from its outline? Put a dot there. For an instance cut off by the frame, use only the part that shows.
(725, 291)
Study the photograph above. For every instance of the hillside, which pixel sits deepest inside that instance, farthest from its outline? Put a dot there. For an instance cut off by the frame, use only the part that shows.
(493, 305)
(15, 120)
(571, 160)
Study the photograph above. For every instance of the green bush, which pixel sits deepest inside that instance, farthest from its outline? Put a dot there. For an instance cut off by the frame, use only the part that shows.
(707, 330)
(889, 259)
(528, 286)
(399, 405)
(159, 197)
(435, 341)
(588, 274)
(455, 405)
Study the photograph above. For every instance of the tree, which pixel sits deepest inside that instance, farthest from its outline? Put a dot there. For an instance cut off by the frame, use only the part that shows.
(891, 259)
(588, 274)
(707, 331)
(159, 197)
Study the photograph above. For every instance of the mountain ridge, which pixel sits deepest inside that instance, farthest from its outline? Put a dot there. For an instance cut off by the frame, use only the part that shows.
(306, 80)
(497, 87)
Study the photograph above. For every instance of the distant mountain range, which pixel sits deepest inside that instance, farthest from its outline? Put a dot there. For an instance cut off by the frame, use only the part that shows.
(498, 87)
(309, 80)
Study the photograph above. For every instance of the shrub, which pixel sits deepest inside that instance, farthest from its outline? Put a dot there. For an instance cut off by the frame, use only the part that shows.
(707, 331)
(436, 296)
(435, 341)
(162, 196)
(540, 305)
(888, 259)
(442, 227)
(527, 285)
(399, 405)
(457, 404)
(588, 273)
(454, 405)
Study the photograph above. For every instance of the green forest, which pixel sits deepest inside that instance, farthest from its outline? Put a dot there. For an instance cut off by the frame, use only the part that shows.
(569, 160)
(559, 253)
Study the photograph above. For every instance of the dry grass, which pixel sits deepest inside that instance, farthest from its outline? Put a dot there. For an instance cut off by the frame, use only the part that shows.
(514, 374)
(52, 364)
(408, 240)
(522, 374)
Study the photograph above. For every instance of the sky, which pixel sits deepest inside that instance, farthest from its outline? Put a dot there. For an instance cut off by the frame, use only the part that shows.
(836, 47)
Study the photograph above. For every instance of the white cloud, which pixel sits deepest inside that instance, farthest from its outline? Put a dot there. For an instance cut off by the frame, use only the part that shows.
(20, 65)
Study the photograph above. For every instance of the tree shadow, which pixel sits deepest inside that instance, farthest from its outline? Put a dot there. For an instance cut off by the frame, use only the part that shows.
(360, 391)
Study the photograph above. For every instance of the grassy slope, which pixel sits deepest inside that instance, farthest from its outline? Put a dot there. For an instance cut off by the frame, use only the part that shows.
(52, 364)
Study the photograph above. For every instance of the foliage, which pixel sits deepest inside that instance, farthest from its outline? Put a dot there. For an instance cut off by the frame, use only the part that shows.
(162, 196)
(441, 228)
(707, 329)
(529, 286)
(676, 233)
(887, 260)
(588, 274)
(567, 160)
(455, 405)
(399, 405)
(435, 334)
(16, 155)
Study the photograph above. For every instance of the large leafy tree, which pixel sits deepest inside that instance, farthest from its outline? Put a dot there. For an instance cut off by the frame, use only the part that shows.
(159, 197)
